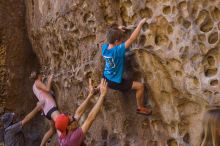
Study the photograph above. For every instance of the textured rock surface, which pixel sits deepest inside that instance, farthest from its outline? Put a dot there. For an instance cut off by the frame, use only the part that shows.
(176, 56)
(16, 62)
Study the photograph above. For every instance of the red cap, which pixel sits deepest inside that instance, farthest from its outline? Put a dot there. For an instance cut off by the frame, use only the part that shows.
(61, 123)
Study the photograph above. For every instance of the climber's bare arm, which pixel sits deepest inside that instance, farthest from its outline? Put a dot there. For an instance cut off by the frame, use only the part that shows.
(32, 114)
(95, 110)
(44, 87)
(81, 109)
(135, 34)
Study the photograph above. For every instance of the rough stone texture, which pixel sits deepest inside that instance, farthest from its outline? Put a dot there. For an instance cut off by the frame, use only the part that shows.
(16, 62)
(176, 56)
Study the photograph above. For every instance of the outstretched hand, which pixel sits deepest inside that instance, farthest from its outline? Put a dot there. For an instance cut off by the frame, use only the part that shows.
(51, 77)
(122, 28)
(103, 87)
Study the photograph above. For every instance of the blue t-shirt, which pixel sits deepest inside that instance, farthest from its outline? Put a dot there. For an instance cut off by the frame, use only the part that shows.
(114, 62)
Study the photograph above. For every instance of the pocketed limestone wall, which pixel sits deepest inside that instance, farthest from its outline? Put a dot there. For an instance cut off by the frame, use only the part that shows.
(176, 56)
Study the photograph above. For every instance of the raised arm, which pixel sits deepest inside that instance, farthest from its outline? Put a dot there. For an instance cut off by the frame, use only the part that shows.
(44, 87)
(32, 114)
(135, 34)
(95, 110)
(81, 109)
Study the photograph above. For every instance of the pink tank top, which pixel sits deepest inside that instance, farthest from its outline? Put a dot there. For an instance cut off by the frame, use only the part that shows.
(44, 97)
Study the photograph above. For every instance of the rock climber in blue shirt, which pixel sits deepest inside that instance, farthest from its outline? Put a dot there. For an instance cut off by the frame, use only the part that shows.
(113, 53)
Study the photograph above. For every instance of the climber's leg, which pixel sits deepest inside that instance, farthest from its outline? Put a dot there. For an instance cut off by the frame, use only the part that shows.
(48, 134)
(127, 85)
(139, 87)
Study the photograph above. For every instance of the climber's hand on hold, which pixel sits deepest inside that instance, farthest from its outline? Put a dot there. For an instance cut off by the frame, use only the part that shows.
(50, 77)
(122, 28)
(103, 87)
(135, 33)
(142, 21)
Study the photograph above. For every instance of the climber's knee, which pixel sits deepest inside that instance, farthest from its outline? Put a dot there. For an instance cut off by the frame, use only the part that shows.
(137, 85)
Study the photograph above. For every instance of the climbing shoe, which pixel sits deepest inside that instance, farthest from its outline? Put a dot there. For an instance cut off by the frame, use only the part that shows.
(144, 111)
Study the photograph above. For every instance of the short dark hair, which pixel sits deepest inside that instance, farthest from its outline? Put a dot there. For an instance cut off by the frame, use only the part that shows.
(113, 35)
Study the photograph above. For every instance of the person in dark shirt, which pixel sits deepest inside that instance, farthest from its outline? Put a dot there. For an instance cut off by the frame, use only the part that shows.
(13, 135)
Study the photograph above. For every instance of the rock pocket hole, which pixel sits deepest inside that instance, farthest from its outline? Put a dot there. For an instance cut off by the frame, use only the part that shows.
(216, 13)
(65, 26)
(161, 40)
(202, 37)
(211, 60)
(214, 82)
(180, 20)
(104, 134)
(146, 13)
(86, 17)
(127, 3)
(142, 40)
(172, 142)
(108, 19)
(195, 81)
(186, 24)
(211, 72)
(169, 29)
(186, 138)
(167, 10)
(207, 26)
(178, 73)
(145, 27)
(182, 5)
(207, 93)
(76, 31)
(202, 17)
(170, 47)
(71, 26)
(213, 38)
